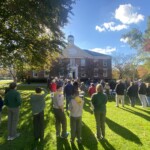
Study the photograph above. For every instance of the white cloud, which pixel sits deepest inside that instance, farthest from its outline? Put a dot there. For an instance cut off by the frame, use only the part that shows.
(124, 40)
(127, 14)
(107, 50)
(110, 26)
(100, 29)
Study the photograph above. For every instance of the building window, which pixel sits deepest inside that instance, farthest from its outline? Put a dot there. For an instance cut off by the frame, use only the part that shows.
(82, 69)
(105, 73)
(82, 62)
(35, 74)
(83, 75)
(105, 63)
(95, 60)
(46, 74)
(72, 62)
(95, 69)
(95, 72)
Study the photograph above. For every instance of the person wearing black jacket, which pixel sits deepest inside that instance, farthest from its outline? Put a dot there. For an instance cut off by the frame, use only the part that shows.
(120, 88)
(132, 92)
(142, 94)
(148, 94)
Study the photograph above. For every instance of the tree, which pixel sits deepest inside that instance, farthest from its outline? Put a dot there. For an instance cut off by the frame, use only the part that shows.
(141, 42)
(31, 29)
(125, 65)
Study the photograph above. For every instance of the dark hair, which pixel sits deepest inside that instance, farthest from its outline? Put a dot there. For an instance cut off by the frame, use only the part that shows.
(7, 89)
(58, 86)
(38, 90)
(12, 85)
(76, 92)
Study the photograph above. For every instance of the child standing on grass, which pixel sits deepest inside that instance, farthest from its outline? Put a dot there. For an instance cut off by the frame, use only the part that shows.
(1, 105)
(58, 107)
(75, 107)
(37, 105)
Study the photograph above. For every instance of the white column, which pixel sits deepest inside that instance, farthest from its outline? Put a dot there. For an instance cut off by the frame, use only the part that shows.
(76, 71)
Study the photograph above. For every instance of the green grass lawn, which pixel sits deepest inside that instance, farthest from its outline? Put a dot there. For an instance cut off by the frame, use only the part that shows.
(126, 128)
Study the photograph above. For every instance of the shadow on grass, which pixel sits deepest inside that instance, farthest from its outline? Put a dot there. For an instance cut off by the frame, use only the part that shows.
(63, 144)
(137, 113)
(25, 125)
(143, 110)
(87, 105)
(88, 138)
(106, 145)
(122, 131)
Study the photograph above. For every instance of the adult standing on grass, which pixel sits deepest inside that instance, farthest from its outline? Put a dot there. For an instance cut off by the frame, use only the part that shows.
(99, 100)
(13, 101)
(148, 93)
(68, 92)
(91, 89)
(58, 107)
(37, 105)
(132, 92)
(142, 94)
(120, 89)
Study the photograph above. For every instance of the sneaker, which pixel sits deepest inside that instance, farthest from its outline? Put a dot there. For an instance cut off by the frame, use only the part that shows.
(8, 138)
(14, 137)
(65, 135)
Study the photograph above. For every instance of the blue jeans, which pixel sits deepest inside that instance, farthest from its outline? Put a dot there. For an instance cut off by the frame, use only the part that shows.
(148, 100)
(132, 100)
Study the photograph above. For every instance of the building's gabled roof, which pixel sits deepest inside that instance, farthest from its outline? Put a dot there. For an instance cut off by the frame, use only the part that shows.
(73, 51)
(94, 53)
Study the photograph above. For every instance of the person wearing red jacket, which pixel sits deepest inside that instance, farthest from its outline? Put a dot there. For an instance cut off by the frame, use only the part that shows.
(91, 89)
(53, 86)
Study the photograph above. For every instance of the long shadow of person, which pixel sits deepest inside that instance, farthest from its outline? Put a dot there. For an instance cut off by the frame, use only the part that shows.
(88, 138)
(122, 131)
(73, 146)
(87, 105)
(106, 145)
(137, 113)
(147, 111)
(63, 144)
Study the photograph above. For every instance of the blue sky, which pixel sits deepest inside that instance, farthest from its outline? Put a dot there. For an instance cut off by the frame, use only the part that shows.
(98, 25)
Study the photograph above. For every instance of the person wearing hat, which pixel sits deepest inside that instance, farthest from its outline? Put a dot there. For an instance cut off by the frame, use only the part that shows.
(13, 101)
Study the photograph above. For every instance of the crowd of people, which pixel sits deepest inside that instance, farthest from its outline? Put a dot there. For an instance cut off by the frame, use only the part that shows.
(73, 92)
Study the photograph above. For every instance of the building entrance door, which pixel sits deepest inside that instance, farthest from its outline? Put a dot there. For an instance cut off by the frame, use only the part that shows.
(73, 74)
